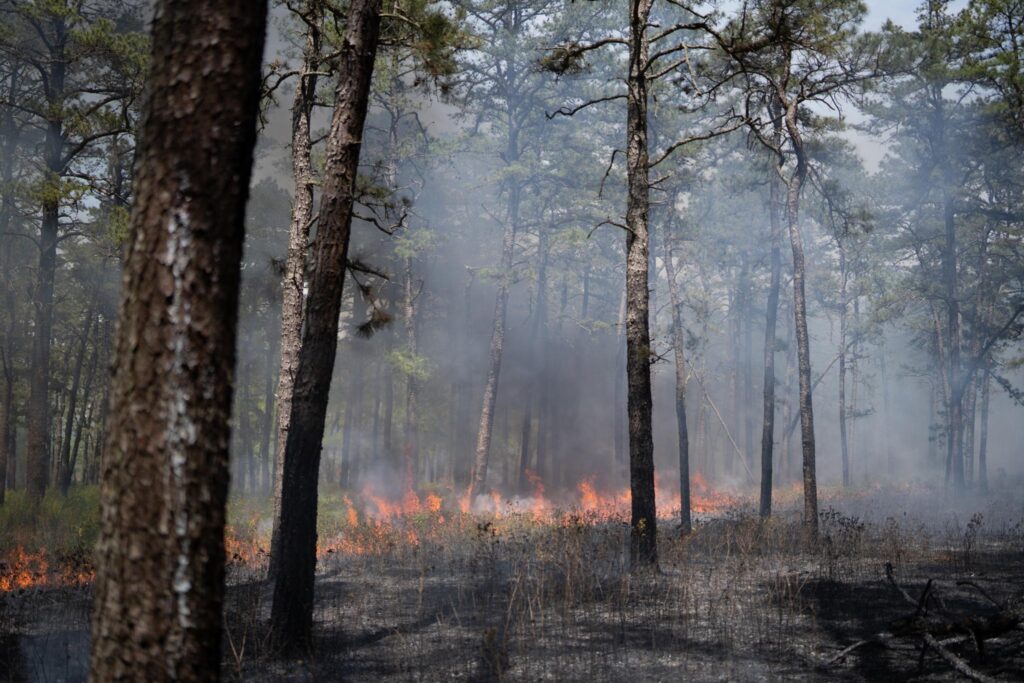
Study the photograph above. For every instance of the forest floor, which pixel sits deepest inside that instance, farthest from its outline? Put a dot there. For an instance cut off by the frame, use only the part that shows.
(438, 595)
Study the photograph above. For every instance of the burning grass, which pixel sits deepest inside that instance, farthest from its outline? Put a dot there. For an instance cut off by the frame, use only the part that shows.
(418, 585)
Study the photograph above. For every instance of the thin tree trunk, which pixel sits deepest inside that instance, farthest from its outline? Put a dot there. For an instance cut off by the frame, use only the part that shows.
(643, 521)
(292, 285)
(748, 372)
(970, 401)
(844, 446)
(64, 461)
(68, 460)
(410, 451)
(620, 418)
(483, 439)
(983, 438)
(347, 453)
(679, 344)
(771, 321)
(267, 423)
(886, 418)
(462, 437)
(549, 440)
(533, 386)
(292, 611)
(38, 441)
(7, 453)
(954, 411)
(10, 139)
(810, 479)
(160, 559)
(389, 412)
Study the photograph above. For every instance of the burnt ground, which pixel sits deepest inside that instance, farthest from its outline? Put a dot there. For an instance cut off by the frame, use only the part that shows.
(519, 600)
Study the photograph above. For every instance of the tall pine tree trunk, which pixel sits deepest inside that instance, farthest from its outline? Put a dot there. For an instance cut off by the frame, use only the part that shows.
(293, 283)
(643, 521)
(160, 559)
(292, 611)
(803, 345)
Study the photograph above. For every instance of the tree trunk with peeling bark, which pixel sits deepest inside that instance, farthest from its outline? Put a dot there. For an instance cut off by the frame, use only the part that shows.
(160, 573)
(292, 611)
(643, 520)
(294, 279)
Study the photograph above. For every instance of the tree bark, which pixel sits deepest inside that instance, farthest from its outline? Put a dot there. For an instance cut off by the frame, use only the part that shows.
(643, 520)
(294, 280)
(292, 612)
(160, 559)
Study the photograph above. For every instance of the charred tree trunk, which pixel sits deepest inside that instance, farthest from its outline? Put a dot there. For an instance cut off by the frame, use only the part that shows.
(643, 521)
(771, 320)
(292, 284)
(292, 612)
(679, 344)
(160, 571)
